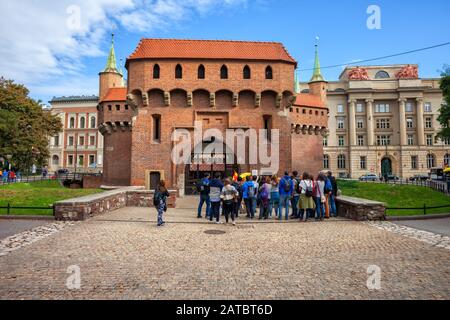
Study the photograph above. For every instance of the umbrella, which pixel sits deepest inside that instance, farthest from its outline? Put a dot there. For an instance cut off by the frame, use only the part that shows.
(245, 175)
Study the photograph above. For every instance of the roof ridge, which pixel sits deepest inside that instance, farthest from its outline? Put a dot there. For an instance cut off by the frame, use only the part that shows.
(214, 40)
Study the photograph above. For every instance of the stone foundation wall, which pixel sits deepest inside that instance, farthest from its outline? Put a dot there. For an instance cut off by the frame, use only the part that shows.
(360, 209)
(92, 182)
(80, 209)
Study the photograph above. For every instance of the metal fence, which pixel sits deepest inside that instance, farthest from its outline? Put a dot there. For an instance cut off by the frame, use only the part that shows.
(60, 177)
(8, 209)
(425, 208)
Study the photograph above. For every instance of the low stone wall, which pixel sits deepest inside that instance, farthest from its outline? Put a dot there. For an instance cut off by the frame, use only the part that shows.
(360, 209)
(80, 209)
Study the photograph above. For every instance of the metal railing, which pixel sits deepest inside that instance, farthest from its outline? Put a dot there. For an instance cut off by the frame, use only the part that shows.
(60, 177)
(439, 186)
(425, 208)
(9, 208)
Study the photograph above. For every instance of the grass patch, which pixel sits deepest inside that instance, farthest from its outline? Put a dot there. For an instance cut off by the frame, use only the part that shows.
(397, 196)
(37, 194)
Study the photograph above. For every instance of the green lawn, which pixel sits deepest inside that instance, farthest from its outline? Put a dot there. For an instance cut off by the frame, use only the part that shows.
(37, 194)
(397, 196)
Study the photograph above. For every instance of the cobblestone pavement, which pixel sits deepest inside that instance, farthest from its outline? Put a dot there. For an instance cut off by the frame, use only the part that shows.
(123, 255)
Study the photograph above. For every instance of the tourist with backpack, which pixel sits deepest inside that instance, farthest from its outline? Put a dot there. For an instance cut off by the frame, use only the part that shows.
(274, 198)
(160, 201)
(229, 196)
(333, 195)
(237, 204)
(256, 196)
(295, 195)
(328, 192)
(265, 198)
(319, 193)
(215, 189)
(286, 190)
(249, 192)
(203, 189)
(307, 196)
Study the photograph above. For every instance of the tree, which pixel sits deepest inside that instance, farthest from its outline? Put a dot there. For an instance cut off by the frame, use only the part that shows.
(444, 112)
(24, 126)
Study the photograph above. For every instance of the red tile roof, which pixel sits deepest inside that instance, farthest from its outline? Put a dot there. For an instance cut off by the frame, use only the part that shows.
(211, 49)
(115, 94)
(308, 100)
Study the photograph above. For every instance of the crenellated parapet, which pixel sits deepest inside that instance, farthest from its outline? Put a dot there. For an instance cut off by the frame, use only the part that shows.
(308, 130)
(118, 126)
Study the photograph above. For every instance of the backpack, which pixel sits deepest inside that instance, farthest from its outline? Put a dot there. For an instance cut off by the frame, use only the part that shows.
(251, 191)
(264, 193)
(309, 192)
(287, 186)
(296, 185)
(157, 198)
(328, 186)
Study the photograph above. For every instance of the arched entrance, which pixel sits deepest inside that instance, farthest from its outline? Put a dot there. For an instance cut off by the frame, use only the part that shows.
(386, 167)
(221, 160)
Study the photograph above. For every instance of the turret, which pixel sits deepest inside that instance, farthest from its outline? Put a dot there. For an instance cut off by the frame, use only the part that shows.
(317, 84)
(110, 77)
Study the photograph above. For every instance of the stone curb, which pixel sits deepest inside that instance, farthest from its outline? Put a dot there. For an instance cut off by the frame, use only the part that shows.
(423, 217)
(25, 217)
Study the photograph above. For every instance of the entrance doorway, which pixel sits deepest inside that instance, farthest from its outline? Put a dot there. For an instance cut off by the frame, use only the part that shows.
(217, 162)
(386, 167)
(155, 178)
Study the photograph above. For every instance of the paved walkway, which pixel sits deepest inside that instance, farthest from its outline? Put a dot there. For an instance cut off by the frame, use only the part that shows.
(12, 227)
(439, 226)
(123, 255)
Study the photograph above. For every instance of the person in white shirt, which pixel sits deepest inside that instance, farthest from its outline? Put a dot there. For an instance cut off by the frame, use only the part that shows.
(307, 197)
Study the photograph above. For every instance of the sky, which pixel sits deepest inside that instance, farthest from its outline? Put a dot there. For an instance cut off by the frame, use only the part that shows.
(57, 48)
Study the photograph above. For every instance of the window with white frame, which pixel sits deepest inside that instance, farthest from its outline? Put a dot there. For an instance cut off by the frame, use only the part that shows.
(81, 160)
(359, 108)
(340, 108)
(429, 139)
(81, 140)
(409, 122)
(431, 161)
(72, 122)
(382, 108)
(428, 123)
(92, 122)
(71, 140)
(82, 122)
(340, 123)
(326, 161)
(91, 159)
(363, 163)
(383, 123)
(409, 107)
(360, 123)
(70, 160)
(92, 140)
(341, 161)
(360, 141)
(447, 159)
(341, 141)
(325, 141)
(384, 140)
(428, 107)
(414, 163)
(410, 140)
(56, 141)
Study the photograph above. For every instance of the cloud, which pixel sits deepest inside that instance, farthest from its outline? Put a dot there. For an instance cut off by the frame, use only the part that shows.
(44, 41)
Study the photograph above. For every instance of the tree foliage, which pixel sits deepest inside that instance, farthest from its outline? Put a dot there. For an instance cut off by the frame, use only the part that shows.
(24, 126)
(444, 112)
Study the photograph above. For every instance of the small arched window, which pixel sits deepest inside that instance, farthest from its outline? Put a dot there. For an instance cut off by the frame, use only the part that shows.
(178, 72)
(82, 122)
(224, 72)
(92, 122)
(72, 123)
(247, 72)
(269, 73)
(382, 75)
(156, 71)
(55, 160)
(201, 72)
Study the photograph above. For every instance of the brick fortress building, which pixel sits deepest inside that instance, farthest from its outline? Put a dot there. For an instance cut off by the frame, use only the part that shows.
(173, 84)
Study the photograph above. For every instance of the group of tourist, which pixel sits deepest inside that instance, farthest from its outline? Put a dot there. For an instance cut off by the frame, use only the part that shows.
(292, 197)
(8, 176)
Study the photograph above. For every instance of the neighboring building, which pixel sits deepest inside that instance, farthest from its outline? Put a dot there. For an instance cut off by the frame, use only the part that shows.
(224, 85)
(383, 120)
(79, 146)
